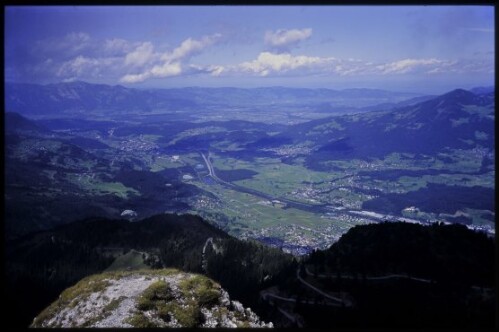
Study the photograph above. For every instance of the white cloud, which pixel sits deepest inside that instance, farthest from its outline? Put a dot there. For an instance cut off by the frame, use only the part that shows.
(279, 64)
(69, 80)
(86, 67)
(190, 47)
(169, 63)
(217, 70)
(166, 69)
(135, 78)
(77, 56)
(77, 66)
(282, 39)
(270, 62)
(408, 65)
(80, 44)
(213, 70)
(141, 55)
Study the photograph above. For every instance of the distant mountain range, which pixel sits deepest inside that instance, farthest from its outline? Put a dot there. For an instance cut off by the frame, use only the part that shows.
(80, 97)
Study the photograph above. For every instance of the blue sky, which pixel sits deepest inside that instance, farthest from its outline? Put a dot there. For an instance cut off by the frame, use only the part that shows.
(412, 48)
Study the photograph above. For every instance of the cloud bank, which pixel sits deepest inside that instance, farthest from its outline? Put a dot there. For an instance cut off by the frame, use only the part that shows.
(281, 64)
(78, 56)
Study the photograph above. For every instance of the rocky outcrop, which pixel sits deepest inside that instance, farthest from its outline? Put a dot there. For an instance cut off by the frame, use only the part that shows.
(147, 298)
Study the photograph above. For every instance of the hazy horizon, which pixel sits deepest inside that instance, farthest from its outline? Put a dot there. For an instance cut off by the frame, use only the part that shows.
(408, 90)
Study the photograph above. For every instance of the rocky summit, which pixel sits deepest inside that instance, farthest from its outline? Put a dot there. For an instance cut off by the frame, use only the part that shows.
(147, 298)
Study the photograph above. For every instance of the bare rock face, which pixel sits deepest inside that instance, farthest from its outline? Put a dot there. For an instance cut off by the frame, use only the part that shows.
(147, 298)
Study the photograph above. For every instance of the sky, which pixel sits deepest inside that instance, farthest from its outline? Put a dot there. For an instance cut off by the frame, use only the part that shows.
(427, 49)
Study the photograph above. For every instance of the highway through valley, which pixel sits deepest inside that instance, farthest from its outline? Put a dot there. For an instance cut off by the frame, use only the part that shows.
(289, 203)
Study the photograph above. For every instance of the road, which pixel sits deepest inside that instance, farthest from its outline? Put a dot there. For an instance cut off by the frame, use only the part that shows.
(385, 277)
(297, 205)
(204, 263)
(317, 290)
(265, 295)
(290, 317)
(209, 165)
(336, 301)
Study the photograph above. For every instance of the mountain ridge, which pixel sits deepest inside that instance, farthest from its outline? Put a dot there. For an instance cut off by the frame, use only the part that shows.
(42, 264)
(75, 97)
(451, 120)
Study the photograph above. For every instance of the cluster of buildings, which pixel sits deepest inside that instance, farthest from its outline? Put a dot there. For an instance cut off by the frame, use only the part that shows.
(137, 145)
(290, 150)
